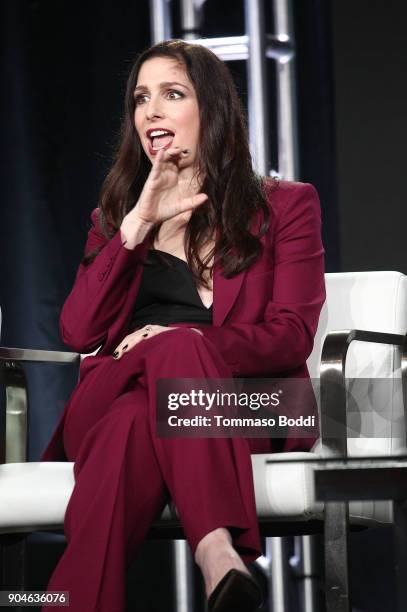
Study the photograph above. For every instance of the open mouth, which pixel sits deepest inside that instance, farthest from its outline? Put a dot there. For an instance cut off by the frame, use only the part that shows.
(160, 139)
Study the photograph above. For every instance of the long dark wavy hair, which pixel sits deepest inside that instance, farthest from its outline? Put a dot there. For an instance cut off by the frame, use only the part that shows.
(236, 194)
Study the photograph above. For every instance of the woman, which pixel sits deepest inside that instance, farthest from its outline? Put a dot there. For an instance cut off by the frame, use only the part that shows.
(194, 268)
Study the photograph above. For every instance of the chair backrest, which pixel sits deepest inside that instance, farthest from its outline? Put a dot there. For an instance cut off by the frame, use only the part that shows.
(374, 301)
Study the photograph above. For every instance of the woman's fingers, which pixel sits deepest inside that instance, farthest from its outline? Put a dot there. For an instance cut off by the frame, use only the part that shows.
(172, 152)
(157, 165)
(193, 201)
(167, 158)
(170, 193)
(122, 348)
(130, 341)
(148, 331)
(127, 344)
(165, 155)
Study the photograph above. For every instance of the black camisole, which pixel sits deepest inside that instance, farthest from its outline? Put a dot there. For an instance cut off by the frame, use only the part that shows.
(167, 294)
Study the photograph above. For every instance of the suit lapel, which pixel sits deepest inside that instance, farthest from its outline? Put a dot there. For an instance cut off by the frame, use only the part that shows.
(225, 292)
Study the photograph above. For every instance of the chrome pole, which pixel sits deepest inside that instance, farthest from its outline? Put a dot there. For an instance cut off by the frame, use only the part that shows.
(191, 17)
(160, 20)
(183, 562)
(305, 553)
(256, 86)
(277, 551)
(183, 569)
(288, 157)
(288, 168)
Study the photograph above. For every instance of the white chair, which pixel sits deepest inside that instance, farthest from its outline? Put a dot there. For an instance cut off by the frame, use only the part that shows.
(34, 495)
(372, 301)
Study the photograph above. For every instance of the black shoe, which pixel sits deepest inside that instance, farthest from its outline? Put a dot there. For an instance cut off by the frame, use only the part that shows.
(236, 592)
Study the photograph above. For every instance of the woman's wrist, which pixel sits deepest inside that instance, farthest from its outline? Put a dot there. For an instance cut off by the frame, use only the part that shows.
(133, 231)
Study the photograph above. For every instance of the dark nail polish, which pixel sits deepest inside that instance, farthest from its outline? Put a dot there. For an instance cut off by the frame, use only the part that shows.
(115, 354)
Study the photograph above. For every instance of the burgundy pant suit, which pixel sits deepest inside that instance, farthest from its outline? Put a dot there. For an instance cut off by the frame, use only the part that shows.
(263, 323)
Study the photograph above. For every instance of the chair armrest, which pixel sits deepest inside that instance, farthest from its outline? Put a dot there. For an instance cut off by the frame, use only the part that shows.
(22, 354)
(13, 447)
(332, 380)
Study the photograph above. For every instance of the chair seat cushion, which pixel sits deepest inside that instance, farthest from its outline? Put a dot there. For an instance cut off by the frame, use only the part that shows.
(34, 495)
(285, 489)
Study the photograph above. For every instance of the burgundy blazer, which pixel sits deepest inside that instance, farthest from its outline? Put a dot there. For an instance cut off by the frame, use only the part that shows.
(264, 318)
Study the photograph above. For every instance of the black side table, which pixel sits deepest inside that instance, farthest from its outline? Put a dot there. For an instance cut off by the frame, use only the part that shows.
(338, 481)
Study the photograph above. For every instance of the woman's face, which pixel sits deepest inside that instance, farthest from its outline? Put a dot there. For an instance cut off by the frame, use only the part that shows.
(166, 109)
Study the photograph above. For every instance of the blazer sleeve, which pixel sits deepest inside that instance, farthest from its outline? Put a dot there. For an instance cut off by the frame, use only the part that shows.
(284, 339)
(100, 289)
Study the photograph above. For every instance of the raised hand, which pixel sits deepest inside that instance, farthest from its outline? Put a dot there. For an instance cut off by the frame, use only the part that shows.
(166, 193)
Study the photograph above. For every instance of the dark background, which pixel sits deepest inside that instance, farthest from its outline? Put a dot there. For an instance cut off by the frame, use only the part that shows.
(63, 67)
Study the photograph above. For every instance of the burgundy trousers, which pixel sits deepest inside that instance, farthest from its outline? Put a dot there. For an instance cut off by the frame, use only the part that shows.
(125, 474)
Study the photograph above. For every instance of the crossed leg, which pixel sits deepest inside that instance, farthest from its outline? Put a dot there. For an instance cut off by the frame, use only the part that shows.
(124, 473)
